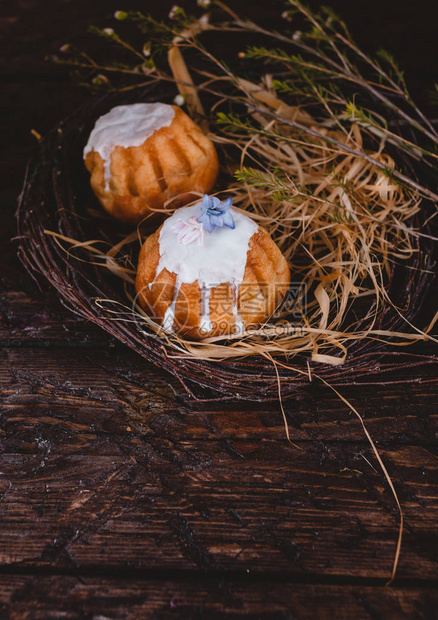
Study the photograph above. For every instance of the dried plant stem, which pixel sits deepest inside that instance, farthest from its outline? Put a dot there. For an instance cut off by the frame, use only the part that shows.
(339, 68)
(186, 86)
(385, 473)
(402, 178)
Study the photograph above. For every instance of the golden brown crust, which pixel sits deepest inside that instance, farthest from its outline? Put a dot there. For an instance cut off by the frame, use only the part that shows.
(265, 284)
(172, 163)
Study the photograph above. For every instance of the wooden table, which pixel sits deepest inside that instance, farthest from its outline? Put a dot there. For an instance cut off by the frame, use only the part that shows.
(121, 499)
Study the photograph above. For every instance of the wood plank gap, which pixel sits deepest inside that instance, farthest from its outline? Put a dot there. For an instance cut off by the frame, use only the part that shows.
(131, 573)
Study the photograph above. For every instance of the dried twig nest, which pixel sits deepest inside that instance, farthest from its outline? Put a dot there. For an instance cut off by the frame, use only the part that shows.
(358, 292)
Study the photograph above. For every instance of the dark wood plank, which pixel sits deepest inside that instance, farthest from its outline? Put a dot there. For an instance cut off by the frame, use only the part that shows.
(77, 598)
(30, 318)
(212, 507)
(101, 464)
(115, 388)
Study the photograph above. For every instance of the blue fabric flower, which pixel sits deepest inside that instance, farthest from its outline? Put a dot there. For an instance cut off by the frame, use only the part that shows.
(216, 213)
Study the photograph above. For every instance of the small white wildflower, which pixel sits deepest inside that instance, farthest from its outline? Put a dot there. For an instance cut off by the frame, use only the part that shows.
(120, 15)
(297, 35)
(204, 4)
(147, 67)
(100, 80)
(287, 16)
(173, 11)
(147, 49)
(108, 31)
(179, 100)
(64, 48)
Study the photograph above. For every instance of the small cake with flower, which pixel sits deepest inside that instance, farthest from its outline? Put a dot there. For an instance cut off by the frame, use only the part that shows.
(142, 155)
(210, 270)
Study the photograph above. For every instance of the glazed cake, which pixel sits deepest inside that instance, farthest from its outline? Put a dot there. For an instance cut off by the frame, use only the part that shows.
(210, 270)
(143, 155)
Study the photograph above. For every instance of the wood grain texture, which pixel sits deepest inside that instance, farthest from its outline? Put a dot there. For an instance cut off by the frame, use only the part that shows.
(122, 386)
(101, 460)
(219, 513)
(119, 498)
(98, 598)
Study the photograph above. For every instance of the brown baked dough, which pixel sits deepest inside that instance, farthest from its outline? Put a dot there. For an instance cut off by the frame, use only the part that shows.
(172, 163)
(264, 286)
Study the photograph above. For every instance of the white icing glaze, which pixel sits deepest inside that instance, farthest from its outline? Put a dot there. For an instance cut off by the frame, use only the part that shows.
(126, 125)
(205, 323)
(221, 258)
(169, 315)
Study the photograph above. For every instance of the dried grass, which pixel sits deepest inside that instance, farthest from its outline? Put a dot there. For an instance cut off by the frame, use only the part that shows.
(326, 193)
(342, 225)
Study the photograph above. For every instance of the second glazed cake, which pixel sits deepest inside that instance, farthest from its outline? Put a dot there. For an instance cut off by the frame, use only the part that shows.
(142, 155)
